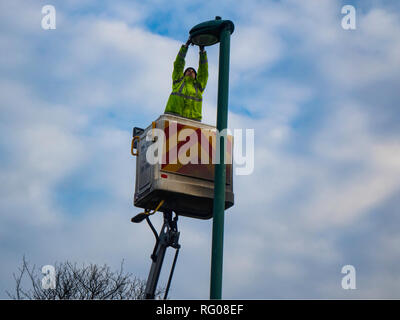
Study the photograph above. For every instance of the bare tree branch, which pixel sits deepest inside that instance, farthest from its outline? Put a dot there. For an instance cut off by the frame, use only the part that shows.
(86, 282)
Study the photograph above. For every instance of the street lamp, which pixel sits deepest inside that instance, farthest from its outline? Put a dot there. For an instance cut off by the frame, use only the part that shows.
(207, 34)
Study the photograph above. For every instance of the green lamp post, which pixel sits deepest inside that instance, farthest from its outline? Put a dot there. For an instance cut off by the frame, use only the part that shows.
(207, 34)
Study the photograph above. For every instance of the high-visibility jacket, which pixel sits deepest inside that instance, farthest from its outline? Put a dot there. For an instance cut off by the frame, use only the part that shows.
(186, 96)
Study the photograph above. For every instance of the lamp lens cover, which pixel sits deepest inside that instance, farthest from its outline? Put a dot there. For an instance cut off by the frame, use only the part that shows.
(205, 40)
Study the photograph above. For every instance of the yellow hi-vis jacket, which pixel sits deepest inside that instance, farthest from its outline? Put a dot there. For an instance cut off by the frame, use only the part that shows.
(186, 96)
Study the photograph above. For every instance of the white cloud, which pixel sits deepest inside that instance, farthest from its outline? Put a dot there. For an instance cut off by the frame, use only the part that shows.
(254, 49)
(372, 174)
(41, 147)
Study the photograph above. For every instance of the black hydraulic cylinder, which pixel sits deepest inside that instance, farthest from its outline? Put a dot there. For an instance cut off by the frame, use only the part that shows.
(168, 237)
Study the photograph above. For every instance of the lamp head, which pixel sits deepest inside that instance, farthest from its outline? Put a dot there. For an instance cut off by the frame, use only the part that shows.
(208, 33)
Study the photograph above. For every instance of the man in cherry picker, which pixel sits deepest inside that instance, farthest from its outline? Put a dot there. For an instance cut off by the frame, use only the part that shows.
(188, 86)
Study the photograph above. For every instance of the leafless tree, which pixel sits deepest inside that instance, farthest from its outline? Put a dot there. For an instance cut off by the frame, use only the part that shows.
(87, 282)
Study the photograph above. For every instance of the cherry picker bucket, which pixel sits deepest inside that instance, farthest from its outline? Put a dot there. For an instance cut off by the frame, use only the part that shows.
(184, 175)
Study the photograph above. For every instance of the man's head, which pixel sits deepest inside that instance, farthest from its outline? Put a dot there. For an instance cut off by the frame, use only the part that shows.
(191, 72)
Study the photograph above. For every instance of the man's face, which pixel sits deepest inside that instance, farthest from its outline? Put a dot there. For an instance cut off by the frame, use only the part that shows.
(190, 73)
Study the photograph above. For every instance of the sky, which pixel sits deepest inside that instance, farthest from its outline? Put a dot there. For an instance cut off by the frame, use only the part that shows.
(323, 103)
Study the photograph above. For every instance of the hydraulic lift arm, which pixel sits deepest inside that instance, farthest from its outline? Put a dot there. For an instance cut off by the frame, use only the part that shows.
(168, 237)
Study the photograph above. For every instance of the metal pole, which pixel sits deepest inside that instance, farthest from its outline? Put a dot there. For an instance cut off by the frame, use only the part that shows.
(220, 169)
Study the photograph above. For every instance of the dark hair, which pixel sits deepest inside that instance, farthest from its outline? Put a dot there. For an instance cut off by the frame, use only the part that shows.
(195, 72)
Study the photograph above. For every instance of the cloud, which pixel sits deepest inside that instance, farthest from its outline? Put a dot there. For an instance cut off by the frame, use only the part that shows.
(254, 49)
